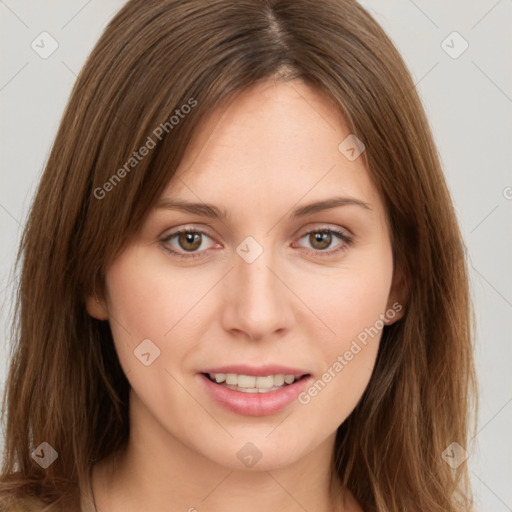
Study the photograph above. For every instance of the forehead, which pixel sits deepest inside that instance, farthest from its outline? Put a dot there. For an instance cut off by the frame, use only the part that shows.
(276, 142)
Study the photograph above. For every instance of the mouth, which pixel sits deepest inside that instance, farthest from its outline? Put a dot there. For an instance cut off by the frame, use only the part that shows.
(254, 391)
(254, 383)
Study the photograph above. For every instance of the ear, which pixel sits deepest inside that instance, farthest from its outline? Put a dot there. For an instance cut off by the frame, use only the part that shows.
(398, 298)
(95, 307)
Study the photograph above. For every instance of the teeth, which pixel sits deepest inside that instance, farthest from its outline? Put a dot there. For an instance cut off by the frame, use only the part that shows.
(264, 382)
(232, 379)
(245, 381)
(278, 380)
(252, 384)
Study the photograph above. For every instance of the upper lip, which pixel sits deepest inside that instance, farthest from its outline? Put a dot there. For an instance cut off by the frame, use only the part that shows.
(257, 371)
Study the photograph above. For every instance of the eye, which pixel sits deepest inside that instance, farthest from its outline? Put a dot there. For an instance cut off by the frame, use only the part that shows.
(322, 239)
(189, 241)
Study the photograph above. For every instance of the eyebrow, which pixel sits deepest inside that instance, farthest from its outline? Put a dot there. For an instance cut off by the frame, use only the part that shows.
(209, 210)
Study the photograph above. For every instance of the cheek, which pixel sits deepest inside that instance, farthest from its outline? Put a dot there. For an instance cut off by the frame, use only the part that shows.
(144, 303)
(352, 307)
(348, 299)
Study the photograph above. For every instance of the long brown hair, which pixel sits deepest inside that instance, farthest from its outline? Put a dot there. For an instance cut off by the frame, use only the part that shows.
(65, 384)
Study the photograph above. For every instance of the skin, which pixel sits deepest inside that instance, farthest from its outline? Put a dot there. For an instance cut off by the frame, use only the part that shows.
(272, 150)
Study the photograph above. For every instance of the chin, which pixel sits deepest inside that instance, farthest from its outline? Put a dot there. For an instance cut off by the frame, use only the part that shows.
(253, 451)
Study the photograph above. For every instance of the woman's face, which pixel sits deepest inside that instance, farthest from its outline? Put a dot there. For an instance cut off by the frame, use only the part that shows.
(276, 287)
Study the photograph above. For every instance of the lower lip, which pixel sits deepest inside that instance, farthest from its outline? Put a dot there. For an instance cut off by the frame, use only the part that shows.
(255, 404)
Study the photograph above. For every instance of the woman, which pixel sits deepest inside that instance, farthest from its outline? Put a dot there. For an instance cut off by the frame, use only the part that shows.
(242, 284)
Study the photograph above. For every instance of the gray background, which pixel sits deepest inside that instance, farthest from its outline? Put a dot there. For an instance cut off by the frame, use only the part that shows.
(468, 100)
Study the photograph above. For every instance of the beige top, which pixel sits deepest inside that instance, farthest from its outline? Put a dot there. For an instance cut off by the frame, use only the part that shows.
(31, 504)
(87, 501)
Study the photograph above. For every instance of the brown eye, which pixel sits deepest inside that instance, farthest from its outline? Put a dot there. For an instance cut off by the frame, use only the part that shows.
(320, 240)
(189, 241)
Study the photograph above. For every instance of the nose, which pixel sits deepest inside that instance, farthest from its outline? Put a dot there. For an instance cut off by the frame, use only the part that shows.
(258, 304)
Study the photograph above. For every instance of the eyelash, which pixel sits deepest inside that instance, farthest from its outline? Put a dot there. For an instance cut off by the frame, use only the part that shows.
(342, 236)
